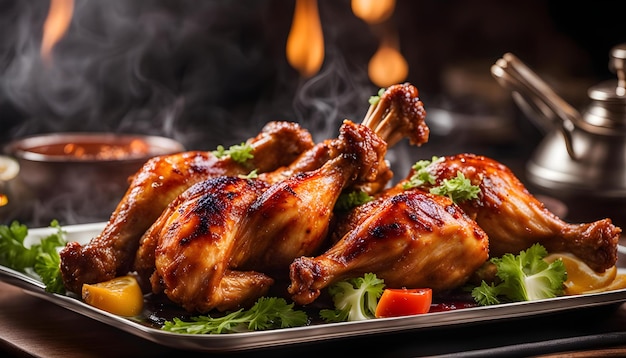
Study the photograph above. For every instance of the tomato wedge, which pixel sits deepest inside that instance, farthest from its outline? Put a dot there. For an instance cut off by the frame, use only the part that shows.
(396, 302)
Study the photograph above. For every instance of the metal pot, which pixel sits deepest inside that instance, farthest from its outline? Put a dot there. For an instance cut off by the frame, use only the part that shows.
(87, 173)
(582, 158)
(582, 152)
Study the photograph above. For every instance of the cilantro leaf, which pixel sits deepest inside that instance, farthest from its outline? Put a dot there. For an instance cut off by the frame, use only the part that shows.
(458, 189)
(13, 253)
(421, 176)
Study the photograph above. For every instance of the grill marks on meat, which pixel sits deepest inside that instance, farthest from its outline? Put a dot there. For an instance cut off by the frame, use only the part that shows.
(251, 228)
(292, 218)
(196, 235)
(411, 239)
(514, 219)
(409, 244)
(154, 186)
(209, 239)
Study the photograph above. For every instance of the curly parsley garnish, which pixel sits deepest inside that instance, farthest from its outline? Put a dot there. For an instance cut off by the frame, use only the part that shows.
(42, 258)
(523, 277)
(252, 175)
(349, 200)
(458, 188)
(374, 99)
(238, 152)
(267, 313)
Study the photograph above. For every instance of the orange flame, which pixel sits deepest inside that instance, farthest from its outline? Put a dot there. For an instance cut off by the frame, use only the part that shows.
(387, 66)
(56, 24)
(305, 44)
(373, 11)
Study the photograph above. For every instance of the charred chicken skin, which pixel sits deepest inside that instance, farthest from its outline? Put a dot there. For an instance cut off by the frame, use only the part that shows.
(213, 231)
(505, 216)
(291, 217)
(514, 219)
(410, 239)
(199, 230)
(398, 112)
(197, 234)
(154, 186)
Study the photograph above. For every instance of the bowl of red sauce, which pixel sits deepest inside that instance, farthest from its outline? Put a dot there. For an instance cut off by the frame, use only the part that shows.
(91, 168)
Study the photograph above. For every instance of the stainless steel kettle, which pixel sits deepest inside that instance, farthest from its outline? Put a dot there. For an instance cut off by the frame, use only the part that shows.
(582, 153)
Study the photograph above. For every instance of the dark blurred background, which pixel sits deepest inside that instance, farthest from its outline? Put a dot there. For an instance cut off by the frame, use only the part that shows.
(214, 72)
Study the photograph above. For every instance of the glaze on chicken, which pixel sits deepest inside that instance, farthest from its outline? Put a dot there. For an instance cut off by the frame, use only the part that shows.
(200, 231)
(289, 219)
(231, 228)
(398, 113)
(514, 219)
(154, 186)
(410, 239)
(197, 235)
(383, 236)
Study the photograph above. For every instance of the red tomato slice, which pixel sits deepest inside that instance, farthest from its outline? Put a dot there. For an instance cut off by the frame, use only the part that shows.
(404, 302)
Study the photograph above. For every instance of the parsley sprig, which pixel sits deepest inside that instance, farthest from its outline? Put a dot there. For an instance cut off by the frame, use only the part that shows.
(238, 152)
(375, 99)
(42, 258)
(267, 313)
(458, 188)
(421, 176)
(352, 199)
(523, 277)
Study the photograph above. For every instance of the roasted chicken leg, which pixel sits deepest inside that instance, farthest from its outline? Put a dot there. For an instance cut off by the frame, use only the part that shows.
(411, 239)
(514, 219)
(397, 113)
(213, 230)
(292, 217)
(154, 186)
(197, 235)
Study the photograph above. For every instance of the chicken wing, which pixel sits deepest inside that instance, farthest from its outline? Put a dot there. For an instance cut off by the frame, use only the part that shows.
(154, 186)
(411, 239)
(514, 219)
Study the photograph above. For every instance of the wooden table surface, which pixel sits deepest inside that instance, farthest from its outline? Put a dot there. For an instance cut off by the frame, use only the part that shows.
(31, 326)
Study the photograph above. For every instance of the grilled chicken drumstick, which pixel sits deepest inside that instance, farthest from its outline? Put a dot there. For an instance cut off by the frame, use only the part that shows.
(154, 186)
(197, 235)
(403, 235)
(514, 219)
(216, 232)
(411, 239)
(289, 219)
(398, 112)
